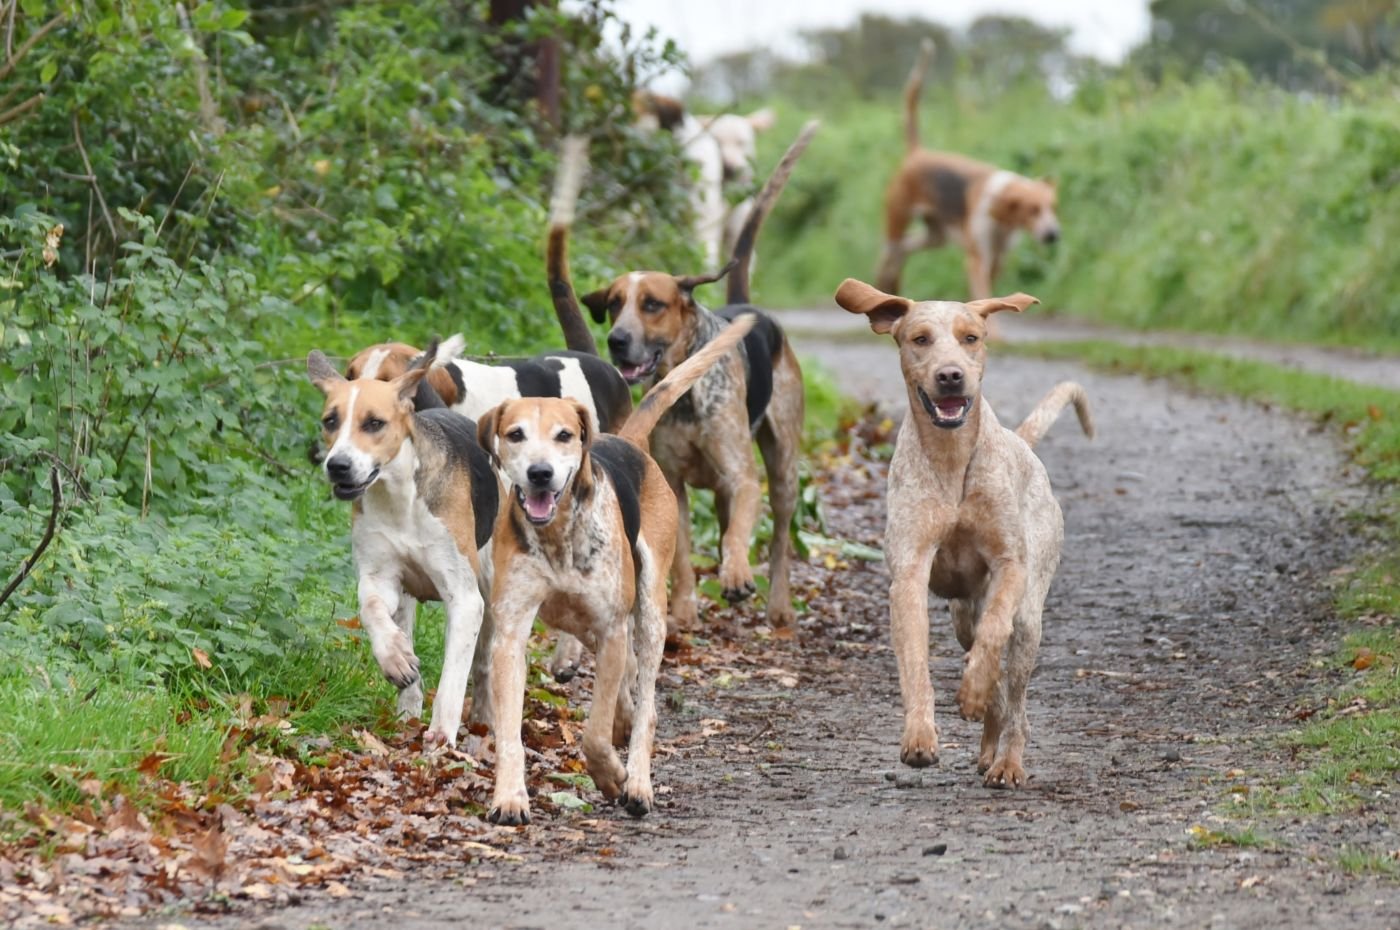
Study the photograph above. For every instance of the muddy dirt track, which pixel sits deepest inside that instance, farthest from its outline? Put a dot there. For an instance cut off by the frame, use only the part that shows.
(1191, 599)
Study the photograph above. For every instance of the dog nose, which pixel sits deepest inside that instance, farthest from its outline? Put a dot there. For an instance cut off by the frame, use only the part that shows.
(338, 469)
(618, 341)
(540, 475)
(949, 379)
(1052, 236)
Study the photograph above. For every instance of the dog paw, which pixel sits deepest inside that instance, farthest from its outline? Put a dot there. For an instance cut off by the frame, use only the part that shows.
(636, 801)
(437, 737)
(622, 730)
(512, 814)
(568, 654)
(737, 583)
(607, 771)
(780, 613)
(1006, 773)
(919, 748)
(410, 702)
(398, 663)
(974, 694)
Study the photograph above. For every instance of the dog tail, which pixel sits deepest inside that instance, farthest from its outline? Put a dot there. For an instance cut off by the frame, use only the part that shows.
(450, 348)
(912, 86)
(681, 378)
(573, 160)
(1038, 422)
(738, 287)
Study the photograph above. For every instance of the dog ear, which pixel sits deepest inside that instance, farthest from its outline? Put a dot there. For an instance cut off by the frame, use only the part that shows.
(597, 304)
(583, 481)
(762, 120)
(688, 283)
(486, 433)
(321, 372)
(406, 384)
(985, 308)
(881, 309)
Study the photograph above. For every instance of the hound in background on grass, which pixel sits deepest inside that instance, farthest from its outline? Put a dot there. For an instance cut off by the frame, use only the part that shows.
(972, 518)
(425, 501)
(707, 439)
(583, 541)
(976, 205)
(723, 149)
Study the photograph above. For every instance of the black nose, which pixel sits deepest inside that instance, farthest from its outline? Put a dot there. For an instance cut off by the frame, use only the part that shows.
(540, 475)
(338, 469)
(618, 341)
(949, 379)
(1052, 236)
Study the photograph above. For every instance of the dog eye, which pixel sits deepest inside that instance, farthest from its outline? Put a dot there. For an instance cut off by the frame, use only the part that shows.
(563, 436)
(516, 435)
(652, 305)
(920, 340)
(372, 424)
(970, 338)
(330, 422)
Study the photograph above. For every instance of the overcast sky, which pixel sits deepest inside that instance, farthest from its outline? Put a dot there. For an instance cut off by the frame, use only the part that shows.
(1106, 29)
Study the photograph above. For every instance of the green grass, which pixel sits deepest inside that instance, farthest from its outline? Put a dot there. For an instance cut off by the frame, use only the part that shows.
(1350, 749)
(1218, 206)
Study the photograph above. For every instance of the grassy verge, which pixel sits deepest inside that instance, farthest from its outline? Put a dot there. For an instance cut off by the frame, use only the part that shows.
(1346, 750)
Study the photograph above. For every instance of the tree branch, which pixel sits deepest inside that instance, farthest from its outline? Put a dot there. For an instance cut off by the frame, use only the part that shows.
(87, 163)
(19, 109)
(30, 562)
(29, 43)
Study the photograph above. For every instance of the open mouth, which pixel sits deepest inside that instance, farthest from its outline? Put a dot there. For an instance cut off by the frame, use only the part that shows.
(948, 412)
(348, 492)
(634, 374)
(539, 505)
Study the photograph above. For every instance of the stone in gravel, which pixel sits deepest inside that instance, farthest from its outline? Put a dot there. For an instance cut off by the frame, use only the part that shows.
(839, 853)
(1171, 755)
(908, 780)
(937, 849)
(904, 878)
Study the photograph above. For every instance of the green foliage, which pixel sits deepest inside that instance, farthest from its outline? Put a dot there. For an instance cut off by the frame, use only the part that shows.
(1220, 206)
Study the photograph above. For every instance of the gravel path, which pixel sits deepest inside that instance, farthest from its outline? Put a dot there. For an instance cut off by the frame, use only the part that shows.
(1178, 639)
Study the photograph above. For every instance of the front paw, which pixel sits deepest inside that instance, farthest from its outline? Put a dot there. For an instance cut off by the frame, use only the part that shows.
(606, 770)
(397, 661)
(919, 747)
(438, 737)
(512, 813)
(737, 583)
(975, 693)
(780, 613)
(1006, 773)
(637, 799)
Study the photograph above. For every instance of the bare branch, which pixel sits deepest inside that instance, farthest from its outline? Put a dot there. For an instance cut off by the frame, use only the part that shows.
(29, 43)
(87, 163)
(18, 110)
(57, 490)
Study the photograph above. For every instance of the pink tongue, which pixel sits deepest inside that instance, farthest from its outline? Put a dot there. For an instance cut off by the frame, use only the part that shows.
(538, 504)
(630, 371)
(951, 407)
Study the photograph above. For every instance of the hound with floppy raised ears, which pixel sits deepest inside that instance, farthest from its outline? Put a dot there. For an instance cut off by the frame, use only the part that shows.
(583, 541)
(971, 518)
(976, 205)
(706, 441)
(424, 503)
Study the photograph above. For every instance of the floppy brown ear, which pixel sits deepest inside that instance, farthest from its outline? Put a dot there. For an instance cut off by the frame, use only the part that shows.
(486, 432)
(583, 481)
(1017, 302)
(597, 304)
(881, 309)
(321, 372)
(690, 282)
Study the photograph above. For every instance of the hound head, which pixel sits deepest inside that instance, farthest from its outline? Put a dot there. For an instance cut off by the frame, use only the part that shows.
(651, 313)
(389, 360)
(541, 446)
(942, 344)
(1030, 205)
(363, 423)
(737, 137)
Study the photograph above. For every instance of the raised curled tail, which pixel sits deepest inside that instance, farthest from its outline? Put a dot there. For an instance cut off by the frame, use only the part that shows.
(680, 379)
(1037, 423)
(912, 86)
(738, 288)
(573, 159)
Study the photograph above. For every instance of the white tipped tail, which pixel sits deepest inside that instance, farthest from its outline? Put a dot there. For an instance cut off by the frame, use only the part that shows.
(449, 349)
(1038, 422)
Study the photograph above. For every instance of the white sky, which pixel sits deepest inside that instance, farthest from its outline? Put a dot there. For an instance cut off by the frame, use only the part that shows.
(1106, 29)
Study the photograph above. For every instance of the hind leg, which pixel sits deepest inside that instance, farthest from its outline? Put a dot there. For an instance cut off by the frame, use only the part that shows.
(650, 627)
(779, 439)
(410, 700)
(683, 611)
